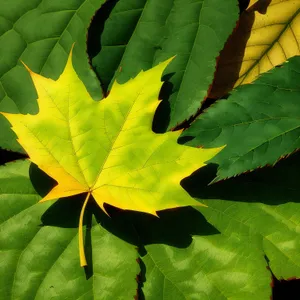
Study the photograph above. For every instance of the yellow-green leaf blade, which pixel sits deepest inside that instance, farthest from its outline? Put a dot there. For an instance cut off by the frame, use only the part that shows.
(108, 148)
(268, 34)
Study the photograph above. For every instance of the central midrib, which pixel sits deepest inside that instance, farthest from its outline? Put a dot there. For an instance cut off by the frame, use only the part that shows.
(115, 140)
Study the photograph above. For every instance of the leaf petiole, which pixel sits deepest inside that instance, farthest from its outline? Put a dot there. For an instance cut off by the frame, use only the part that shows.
(83, 262)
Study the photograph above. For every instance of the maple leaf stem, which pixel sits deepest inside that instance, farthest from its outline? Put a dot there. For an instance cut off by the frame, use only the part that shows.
(83, 262)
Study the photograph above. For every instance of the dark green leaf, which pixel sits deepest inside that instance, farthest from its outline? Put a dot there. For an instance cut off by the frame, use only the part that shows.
(259, 122)
(140, 34)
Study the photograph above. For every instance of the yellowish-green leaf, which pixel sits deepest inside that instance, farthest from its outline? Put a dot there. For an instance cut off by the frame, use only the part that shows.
(107, 148)
(267, 35)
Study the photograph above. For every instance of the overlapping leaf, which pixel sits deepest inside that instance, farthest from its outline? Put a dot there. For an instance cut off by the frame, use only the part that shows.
(139, 34)
(40, 33)
(259, 123)
(267, 35)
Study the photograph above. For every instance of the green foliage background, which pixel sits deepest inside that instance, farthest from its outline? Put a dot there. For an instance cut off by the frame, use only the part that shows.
(220, 252)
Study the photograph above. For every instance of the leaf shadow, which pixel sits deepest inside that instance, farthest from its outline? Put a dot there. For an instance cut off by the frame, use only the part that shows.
(174, 227)
(41, 182)
(271, 185)
(94, 42)
(162, 114)
(7, 156)
(97, 26)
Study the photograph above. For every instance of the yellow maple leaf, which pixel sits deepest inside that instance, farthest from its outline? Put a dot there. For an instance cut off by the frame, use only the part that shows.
(107, 148)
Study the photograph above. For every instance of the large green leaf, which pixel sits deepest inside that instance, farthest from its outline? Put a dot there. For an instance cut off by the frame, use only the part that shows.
(256, 219)
(40, 33)
(259, 122)
(140, 34)
(211, 268)
(266, 204)
(39, 246)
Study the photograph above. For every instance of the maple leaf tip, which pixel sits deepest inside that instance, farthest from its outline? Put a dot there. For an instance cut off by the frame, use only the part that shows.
(104, 210)
(72, 47)
(154, 213)
(198, 203)
(69, 67)
(43, 200)
(166, 62)
(179, 131)
(47, 197)
(71, 52)
(218, 149)
(170, 59)
(27, 68)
